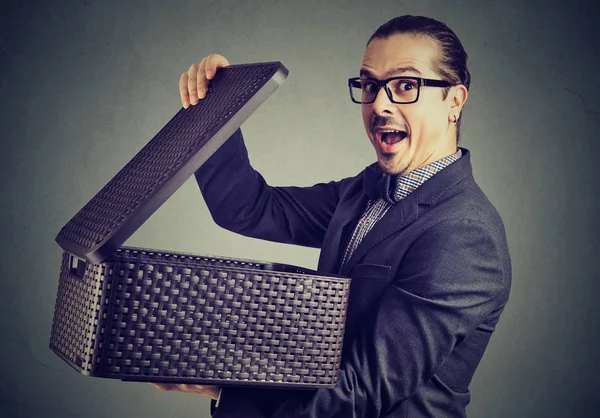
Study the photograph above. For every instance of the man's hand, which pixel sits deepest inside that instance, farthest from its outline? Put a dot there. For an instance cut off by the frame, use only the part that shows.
(193, 84)
(211, 392)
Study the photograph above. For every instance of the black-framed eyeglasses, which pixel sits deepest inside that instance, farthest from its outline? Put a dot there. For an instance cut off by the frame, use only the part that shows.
(400, 90)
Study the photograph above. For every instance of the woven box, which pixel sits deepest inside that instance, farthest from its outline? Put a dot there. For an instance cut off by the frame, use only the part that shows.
(152, 315)
(155, 316)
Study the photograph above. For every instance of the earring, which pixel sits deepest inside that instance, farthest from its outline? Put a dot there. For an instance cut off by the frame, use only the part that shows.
(454, 118)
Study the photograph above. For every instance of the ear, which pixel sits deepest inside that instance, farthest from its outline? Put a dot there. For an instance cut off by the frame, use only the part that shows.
(457, 96)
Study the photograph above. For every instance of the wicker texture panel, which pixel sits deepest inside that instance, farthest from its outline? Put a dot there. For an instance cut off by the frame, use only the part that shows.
(78, 314)
(199, 319)
(172, 147)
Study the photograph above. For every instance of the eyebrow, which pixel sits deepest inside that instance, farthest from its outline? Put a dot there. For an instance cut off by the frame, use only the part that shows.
(396, 71)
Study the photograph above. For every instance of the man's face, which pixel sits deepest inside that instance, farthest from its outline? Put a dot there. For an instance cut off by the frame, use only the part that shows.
(428, 133)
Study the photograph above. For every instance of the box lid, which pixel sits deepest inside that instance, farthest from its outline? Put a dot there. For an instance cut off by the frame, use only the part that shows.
(168, 160)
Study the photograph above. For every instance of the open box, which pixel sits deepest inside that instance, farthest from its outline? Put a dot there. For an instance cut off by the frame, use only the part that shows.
(159, 316)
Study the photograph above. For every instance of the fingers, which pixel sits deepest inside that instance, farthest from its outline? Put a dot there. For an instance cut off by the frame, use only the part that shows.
(193, 84)
(205, 390)
(161, 386)
(201, 81)
(213, 63)
(190, 86)
(206, 71)
(183, 90)
(171, 387)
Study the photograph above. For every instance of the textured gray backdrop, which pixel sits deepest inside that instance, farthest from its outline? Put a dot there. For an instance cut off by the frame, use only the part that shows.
(84, 85)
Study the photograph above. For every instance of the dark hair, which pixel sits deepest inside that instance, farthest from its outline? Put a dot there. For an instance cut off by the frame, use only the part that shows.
(452, 62)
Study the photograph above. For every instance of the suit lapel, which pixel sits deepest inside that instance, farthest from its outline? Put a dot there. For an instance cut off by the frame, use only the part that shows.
(347, 213)
(399, 216)
(406, 211)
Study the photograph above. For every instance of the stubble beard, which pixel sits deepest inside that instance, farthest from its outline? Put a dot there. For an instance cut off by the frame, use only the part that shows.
(386, 163)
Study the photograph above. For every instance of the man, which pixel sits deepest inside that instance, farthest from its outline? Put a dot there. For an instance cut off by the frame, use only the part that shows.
(424, 247)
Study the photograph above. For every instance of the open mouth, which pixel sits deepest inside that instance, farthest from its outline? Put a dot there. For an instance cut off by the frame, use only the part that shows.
(390, 137)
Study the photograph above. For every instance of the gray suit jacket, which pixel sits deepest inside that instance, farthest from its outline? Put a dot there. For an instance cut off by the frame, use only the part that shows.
(429, 282)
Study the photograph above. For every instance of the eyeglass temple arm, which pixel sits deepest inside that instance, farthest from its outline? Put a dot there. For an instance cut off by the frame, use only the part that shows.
(435, 83)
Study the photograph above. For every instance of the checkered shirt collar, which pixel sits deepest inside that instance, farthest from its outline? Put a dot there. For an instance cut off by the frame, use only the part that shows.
(408, 183)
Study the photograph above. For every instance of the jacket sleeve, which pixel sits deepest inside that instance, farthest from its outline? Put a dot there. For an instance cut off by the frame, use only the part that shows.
(240, 200)
(452, 278)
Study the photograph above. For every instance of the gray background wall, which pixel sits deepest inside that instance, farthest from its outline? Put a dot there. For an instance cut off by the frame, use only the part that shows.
(84, 85)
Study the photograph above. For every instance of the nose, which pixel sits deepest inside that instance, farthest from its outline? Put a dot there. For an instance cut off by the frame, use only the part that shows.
(382, 104)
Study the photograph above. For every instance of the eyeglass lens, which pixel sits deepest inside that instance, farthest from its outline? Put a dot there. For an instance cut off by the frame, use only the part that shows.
(404, 90)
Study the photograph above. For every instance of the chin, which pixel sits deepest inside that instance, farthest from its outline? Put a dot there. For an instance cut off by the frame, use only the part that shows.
(389, 166)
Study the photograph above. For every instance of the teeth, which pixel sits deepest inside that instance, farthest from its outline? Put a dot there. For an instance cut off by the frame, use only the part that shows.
(383, 133)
